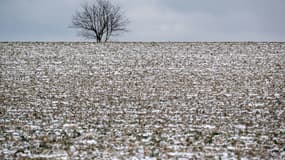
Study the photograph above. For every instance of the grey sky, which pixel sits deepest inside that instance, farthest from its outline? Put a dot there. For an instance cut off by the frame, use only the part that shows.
(151, 20)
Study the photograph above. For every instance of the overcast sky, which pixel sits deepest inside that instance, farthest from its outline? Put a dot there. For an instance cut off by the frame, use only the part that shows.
(151, 20)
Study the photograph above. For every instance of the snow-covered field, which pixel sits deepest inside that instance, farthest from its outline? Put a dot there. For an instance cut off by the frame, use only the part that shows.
(142, 101)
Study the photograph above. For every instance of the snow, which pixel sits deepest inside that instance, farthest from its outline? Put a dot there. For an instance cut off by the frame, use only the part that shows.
(207, 126)
(239, 126)
(88, 142)
(142, 100)
(62, 156)
(70, 125)
(181, 154)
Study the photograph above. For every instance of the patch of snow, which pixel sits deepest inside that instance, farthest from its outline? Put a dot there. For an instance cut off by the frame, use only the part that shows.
(208, 126)
(70, 125)
(181, 154)
(240, 126)
(88, 142)
(60, 155)
(259, 104)
(228, 95)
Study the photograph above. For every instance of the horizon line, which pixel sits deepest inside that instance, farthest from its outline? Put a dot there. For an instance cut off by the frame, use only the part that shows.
(142, 42)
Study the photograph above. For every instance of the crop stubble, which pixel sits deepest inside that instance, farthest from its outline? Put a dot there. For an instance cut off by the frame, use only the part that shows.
(142, 100)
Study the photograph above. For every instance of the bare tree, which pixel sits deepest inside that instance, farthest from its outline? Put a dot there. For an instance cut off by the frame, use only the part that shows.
(100, 20)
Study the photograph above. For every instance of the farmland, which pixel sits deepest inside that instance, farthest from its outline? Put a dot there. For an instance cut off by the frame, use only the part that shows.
(71, 100)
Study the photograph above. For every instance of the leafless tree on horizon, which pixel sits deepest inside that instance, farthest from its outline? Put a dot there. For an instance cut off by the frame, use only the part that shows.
(100, 20)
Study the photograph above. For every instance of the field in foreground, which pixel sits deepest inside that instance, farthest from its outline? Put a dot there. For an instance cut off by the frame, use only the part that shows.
(142, 101)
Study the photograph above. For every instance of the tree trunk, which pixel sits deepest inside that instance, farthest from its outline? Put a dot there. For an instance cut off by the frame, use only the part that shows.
(98, 39)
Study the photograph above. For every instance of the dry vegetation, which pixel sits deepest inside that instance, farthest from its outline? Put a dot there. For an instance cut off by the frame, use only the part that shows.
(142, 100)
